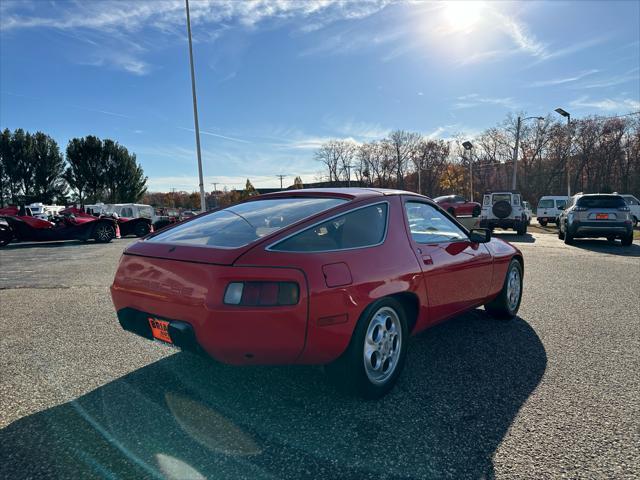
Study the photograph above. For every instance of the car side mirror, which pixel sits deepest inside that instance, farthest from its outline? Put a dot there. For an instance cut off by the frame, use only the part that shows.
(479, 235)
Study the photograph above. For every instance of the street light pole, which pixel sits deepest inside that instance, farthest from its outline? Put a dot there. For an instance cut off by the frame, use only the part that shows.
(467, 148)
(203, 204)
(566, 114)
(515, 155)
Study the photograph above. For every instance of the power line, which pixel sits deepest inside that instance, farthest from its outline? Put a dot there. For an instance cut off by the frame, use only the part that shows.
(281, 177)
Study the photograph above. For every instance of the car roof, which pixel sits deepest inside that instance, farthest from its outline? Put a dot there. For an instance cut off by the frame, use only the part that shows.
(347, 193)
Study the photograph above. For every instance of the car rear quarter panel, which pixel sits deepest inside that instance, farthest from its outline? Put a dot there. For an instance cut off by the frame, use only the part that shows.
(502, 253)
(375, 272)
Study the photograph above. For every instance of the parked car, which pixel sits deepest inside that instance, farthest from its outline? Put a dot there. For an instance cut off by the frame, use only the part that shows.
(503, 210)
(458, 206)
(22, 227)
(549, 208)
(596, 215)
(128, 226)
(328, 276)
(634, 206)
(526, 210)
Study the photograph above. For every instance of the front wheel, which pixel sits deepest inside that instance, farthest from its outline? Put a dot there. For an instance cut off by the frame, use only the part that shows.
(568, 238)
(560, 233)
(506, 304)
(374, 359)
(104, 233)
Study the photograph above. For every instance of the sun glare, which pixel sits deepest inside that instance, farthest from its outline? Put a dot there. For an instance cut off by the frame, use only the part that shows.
(463, 14)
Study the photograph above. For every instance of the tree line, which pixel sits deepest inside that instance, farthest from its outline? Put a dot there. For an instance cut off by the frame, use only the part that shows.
(597, 154)
(32, 169)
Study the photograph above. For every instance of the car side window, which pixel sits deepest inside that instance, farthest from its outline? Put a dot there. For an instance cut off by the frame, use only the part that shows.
(363, 227)
(458, 199)
(429, 225)
(127, 212)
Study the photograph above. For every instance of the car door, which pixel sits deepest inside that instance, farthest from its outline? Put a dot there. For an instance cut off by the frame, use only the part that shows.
(456, 271)
(462, 206)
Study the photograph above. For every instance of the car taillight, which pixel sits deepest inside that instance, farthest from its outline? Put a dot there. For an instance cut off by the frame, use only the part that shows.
(262, 294)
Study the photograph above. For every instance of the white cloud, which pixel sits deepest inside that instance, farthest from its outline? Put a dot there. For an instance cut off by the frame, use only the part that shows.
(607, 104)
(563, 80)
(520, 35)
(476, 100)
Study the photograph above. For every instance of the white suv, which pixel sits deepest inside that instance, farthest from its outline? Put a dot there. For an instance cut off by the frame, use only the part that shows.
(503, 210)
(634, 207)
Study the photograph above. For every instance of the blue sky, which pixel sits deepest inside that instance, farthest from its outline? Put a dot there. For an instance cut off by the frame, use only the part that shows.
(277, 78)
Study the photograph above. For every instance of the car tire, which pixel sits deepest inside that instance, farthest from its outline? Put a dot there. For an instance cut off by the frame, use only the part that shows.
(560, 233)
(543, 223)
(521, 228)
(476, 211)
(104, 233)
(568, 238)
(5, 237)
(142, 229)
(505, 306)
(451, 211)
(380, 339)
(611, 239)
(627, 240)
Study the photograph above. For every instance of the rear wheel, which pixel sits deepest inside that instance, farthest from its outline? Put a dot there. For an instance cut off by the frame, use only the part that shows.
(104, 233)
(374, 359)
(142, 229)
(543, 223)
(5, 236)
(560, 233)
(568, 238)
(521, 228)
(451, 211)
(507, 303)
(627, 240)
(635, 221)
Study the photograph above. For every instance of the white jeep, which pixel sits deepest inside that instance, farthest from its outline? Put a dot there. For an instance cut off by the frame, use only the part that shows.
(503, 210)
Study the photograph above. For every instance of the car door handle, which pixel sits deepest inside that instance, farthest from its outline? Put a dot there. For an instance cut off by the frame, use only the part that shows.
(427, 260)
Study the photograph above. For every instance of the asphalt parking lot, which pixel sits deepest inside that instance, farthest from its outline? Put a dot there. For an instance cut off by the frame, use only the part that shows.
(551, 394)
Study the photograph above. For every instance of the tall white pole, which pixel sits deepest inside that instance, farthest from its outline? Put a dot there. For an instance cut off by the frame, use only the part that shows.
(203, 203)
(471, 172)
(568, 155)
(515, 156)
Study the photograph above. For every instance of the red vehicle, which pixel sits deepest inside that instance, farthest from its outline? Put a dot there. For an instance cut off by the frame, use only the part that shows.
(458, 206)
(128, 226)
(339, 277)
(18, 225)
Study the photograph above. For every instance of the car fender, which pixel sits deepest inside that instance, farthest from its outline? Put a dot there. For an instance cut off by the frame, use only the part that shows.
(502, 253)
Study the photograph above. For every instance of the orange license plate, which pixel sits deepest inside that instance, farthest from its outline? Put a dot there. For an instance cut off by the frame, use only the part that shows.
(602, 216)
(160, 330)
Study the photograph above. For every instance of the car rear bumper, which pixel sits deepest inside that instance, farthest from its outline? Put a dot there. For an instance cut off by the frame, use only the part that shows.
(500, 223)
(600, 229)
(190, 296)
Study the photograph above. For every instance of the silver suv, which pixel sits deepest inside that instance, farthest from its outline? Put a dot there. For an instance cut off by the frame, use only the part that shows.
(596, 215)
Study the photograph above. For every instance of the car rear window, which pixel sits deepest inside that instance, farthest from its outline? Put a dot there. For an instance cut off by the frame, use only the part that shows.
(244, 223)
(362, 227)
(545, 203)
(603, 201)
(499, 197)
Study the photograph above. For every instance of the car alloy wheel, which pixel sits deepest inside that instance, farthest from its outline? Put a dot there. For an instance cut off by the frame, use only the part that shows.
(104, 233)
(382, 345)
(514, 286)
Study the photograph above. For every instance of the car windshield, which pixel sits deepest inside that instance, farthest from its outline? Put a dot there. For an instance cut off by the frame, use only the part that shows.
(547, 203)
(601, 201)
(242, 224)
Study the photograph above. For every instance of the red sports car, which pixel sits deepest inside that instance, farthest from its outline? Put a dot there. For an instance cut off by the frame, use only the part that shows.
(339, 277)
(458, 206)
(128, 226)
(18, 225)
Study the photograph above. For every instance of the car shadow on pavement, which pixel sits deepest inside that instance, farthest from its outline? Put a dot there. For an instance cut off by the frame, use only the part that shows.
(55, 244)
(515, 238)
(602, 246)
(188, 417)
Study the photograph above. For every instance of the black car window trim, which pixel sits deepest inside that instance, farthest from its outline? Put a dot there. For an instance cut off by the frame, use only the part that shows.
(271, 247)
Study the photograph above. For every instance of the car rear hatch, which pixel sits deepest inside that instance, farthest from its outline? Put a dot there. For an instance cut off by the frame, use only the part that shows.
(601, 210)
